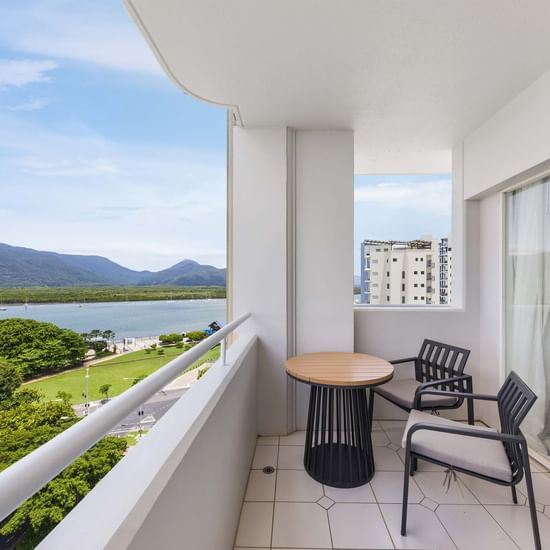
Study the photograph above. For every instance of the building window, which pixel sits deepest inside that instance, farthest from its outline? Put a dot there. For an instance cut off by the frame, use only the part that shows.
(388, 286)
(407, 229)
(403, 288)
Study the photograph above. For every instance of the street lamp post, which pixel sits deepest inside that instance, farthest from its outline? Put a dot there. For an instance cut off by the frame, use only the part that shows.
(87, 404)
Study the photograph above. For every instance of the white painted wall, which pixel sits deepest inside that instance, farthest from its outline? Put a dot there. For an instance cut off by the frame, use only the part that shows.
(324, 247)
(510, 147)
(513, 140)
(190, 471)
(202, 501)
(292, 255)
(491, 300)
(259, 260)
(396, 333)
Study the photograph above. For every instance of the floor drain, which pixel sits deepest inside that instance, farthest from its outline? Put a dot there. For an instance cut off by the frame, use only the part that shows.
(268, 470)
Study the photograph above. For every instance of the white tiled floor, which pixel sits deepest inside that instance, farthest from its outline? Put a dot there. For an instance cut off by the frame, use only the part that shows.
(289, 510)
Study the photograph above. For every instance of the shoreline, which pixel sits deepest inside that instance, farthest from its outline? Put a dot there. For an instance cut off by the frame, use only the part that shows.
(8, 305)
(33, 296)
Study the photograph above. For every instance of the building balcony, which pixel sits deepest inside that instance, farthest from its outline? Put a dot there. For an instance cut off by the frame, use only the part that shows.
(203, 479)
(288, 509)
(204, 459)
(316, 93)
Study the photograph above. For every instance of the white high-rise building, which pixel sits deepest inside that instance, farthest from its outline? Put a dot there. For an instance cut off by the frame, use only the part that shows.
(400, 272)
(445, 271)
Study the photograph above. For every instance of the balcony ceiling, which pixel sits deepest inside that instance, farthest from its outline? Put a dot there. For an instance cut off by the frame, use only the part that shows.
(408, 77)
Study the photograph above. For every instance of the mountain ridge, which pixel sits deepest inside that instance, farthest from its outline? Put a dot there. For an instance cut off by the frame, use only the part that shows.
(27, 267)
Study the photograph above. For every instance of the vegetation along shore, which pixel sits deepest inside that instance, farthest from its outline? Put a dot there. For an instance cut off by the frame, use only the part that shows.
(66, 295)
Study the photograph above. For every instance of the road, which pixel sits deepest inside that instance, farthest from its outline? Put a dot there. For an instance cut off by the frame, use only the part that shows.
(152, 411)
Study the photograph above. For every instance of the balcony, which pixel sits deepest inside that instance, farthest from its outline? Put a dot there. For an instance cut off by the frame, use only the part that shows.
(288, 509)
(316, 93)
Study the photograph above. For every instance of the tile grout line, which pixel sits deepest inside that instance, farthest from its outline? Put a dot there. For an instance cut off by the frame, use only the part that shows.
(423, 494)
(501, 527)
(274, 493)
(491, 515)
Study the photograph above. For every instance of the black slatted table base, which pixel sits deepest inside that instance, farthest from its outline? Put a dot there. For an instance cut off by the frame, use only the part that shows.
(338, 447)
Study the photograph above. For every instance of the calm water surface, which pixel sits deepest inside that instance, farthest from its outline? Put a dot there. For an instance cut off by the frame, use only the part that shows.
(126, 319)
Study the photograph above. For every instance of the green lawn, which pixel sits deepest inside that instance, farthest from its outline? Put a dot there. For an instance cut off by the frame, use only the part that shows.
(118, 371)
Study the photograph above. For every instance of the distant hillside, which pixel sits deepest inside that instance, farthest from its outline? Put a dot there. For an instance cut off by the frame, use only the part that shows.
(187, 273)
(25, 267)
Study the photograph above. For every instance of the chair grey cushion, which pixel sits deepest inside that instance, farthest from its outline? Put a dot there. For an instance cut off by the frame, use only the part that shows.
(402, 392)
(484, 456)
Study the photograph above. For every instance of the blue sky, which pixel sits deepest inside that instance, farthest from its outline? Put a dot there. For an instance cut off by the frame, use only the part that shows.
(99, 152)
(401, 207)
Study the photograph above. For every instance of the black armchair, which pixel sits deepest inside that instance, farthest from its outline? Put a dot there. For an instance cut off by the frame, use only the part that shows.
(500, 457)
(438, 366)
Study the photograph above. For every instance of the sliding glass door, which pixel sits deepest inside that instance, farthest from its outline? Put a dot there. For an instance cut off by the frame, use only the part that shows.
(528, 301)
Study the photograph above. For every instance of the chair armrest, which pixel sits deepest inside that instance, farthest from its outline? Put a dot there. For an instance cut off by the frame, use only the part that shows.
(465, 395)
(424, 388)
(468, 432)
(406, 360)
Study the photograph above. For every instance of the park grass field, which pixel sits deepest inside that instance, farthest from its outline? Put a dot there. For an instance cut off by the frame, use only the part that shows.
(120, 372)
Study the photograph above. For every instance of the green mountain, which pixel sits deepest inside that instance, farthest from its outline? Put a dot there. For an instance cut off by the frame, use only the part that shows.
(25, 267)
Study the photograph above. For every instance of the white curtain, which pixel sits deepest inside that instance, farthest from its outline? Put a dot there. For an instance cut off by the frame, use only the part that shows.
(528, 302)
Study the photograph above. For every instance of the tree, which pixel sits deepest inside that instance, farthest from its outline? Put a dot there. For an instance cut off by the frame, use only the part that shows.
(139, 379)
(172, 338)
(104, 389)
(27, 424)
(36, 347)
(65, 396)
(196, 335)
(10, 380)
(43, 511)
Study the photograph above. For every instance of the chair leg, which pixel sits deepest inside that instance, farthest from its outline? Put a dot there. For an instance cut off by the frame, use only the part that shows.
(531, 498)
(414, 465)
(405, 492)
(514, 494)
(470, 407)
(371, 408)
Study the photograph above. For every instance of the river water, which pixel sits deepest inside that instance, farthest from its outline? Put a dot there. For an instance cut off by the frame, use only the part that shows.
(127, 319)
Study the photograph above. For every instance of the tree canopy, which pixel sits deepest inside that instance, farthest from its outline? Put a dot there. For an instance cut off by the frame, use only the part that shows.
(37, 347)
(10, 380)
(26, 423)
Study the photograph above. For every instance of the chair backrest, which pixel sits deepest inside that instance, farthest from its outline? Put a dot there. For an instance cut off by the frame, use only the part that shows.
(515, 399)
(437, 361)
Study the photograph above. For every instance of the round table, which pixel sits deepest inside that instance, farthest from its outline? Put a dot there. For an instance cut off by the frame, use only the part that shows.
(338, 447)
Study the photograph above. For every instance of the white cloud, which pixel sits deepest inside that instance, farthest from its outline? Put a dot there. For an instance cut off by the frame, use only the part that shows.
(145, 206)
(20, 72)
(424, 197)
(97, 33)
(32, 105)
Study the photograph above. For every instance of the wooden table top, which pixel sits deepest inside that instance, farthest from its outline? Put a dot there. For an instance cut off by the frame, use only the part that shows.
(339, 369)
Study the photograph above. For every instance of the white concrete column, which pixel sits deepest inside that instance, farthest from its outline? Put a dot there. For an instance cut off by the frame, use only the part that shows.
(324, 247)
(259, 260)
(292, 255)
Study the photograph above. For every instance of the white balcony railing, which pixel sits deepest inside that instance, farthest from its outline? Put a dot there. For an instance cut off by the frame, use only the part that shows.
(27, 476)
